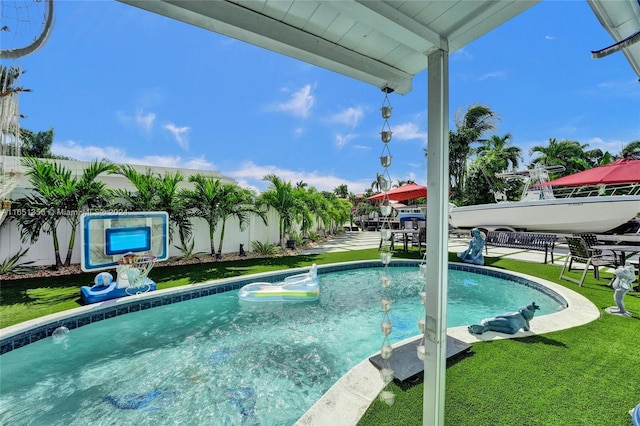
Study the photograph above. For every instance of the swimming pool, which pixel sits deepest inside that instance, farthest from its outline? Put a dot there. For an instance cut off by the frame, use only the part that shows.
(213, 360)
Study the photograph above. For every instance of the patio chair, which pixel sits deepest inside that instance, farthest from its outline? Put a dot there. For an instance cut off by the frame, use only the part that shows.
(579, 252)
(591, 240)
(420, 240)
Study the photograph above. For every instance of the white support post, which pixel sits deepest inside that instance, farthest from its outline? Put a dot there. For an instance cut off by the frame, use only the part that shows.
(435, 360)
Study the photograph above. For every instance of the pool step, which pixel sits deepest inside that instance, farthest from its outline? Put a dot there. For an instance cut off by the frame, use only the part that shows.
(407, 367)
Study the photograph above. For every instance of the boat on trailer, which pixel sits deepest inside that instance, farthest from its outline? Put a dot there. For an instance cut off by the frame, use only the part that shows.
(607, 209)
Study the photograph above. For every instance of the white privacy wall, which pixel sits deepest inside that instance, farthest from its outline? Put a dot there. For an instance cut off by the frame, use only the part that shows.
(42, 253)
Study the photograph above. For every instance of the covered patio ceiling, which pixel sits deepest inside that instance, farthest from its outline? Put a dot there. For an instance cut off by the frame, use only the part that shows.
(384, 43)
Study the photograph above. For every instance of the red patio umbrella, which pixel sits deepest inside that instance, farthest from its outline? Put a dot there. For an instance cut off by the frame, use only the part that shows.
(625, 170)
(409, 191)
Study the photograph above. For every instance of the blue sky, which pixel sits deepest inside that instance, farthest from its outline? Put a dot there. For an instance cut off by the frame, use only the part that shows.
(121, 83)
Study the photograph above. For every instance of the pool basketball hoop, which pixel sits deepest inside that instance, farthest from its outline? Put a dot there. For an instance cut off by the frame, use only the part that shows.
(130, 243)
(134, 268)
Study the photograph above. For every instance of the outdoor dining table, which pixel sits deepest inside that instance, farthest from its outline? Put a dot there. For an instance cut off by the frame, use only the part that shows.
(619, 251)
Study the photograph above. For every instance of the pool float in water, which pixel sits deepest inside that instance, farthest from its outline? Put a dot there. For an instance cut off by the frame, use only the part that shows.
(295, 288)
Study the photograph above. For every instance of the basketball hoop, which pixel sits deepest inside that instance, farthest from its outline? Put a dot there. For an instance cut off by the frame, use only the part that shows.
(136, 267)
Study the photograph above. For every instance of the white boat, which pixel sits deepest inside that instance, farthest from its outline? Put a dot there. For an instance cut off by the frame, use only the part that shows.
(541, 211)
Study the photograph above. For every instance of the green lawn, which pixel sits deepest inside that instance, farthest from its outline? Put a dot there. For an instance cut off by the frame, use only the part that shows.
(589, 375)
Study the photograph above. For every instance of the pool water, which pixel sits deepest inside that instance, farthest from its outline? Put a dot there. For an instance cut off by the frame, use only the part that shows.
(218, 361)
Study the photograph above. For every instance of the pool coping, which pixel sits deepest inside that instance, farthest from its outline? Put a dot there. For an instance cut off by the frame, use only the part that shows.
(349, 398)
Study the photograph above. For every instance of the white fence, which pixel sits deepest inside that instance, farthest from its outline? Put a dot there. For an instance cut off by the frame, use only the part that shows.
(42, 252)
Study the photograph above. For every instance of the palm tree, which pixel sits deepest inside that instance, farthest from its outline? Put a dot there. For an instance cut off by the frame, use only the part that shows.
(280, 197)
(8, 79)
(478, 120)
(157, 193)
(377, 183)
(312, 201)
(203, 201)
(569, 154)
(632, 150)
(236, 202)
(36, 145)
(341, 191)
(494, 155)
(499, 152)
(340, 211)
(58, 196)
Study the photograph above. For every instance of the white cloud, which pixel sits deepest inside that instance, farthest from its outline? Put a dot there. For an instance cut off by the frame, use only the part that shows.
(350, 116)
(300, 103)
(250, 175)
(140, 119)
(79, 152)
(549, 37)
(180, 134)
(408, 131)
(342, 140)
(462, 55)
(493, 74)
(145, 120)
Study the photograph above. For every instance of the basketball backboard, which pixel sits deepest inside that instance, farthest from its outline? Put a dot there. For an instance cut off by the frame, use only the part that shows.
(106, 237)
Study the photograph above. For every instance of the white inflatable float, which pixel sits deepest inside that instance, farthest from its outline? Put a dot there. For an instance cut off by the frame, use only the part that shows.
(295, 288)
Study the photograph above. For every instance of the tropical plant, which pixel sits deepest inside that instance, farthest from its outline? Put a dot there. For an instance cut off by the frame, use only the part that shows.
(339, 212)
(8, 79)
(314, 236)
(313, 207)
(297, 238)
(188, 249)
(341, 191)
(38, 144)
(155, 192)
(56, 196)
(376, 185)
(239, 203)
(569, 154)
(265, 249)
(202, 201)
(281, 198)
(13, 265)
(631, 150)
(470, 127)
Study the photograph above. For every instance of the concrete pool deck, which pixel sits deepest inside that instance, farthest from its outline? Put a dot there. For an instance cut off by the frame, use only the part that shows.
(350, 397)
